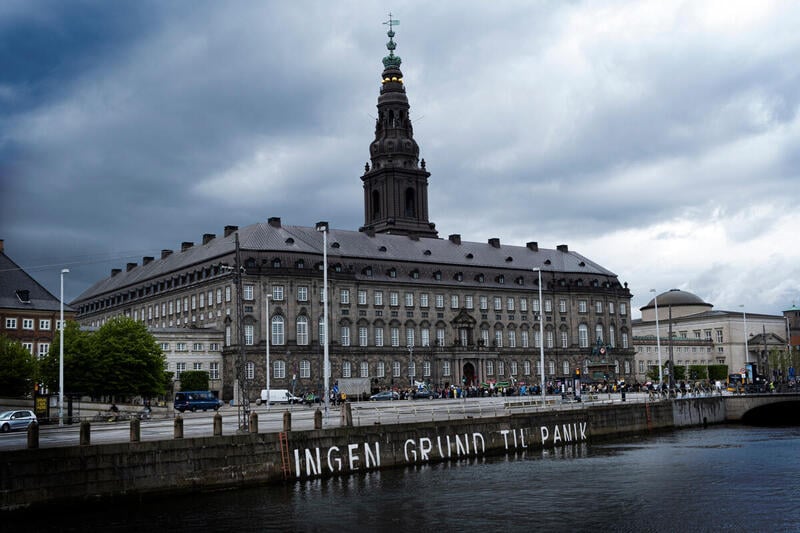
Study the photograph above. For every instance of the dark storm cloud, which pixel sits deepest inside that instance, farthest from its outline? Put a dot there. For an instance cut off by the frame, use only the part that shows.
(625, 130)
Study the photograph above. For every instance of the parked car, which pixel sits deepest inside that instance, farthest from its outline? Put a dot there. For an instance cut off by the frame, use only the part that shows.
(19, 419)
(194, 400)
(422, 393)
(384, 396)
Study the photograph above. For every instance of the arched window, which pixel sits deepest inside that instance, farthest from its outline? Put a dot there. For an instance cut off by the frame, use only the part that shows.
(278, 337)
(410, 203)
(301, 326)
(598, 332)
(583, 336)
(279, 369)
(565, 368)
(346, 371)
(376, 204)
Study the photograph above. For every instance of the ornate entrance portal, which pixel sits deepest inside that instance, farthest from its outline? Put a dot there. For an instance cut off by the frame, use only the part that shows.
(469, 374)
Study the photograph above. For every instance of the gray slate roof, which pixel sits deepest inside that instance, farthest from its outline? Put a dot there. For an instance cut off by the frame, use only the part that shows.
(13, 279)
(347, 244)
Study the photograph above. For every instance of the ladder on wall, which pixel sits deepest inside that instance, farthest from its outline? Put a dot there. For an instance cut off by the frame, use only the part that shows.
(286, 466)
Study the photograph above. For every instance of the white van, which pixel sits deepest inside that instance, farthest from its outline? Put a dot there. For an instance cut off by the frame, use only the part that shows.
(278, 396)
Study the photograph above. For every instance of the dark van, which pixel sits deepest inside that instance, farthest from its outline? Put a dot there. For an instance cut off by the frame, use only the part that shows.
(196, 399)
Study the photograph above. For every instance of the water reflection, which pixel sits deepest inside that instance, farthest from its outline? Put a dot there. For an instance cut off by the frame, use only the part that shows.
(718, 479)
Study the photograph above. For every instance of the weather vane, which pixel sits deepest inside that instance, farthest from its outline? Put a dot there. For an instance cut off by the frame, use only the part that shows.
(391, 59)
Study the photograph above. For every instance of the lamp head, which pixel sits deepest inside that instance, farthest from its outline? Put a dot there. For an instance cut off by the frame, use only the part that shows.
(65, 271)
(322, 226)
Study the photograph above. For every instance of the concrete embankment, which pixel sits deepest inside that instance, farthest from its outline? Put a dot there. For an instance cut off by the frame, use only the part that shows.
(35, 476)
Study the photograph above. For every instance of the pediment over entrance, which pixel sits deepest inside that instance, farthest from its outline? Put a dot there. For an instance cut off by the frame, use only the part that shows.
(463, 319)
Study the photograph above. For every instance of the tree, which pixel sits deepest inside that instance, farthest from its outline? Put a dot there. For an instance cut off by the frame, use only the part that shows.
(194, 380)
(718, 372)
(132, 361)
(82, 370)
(18, 368)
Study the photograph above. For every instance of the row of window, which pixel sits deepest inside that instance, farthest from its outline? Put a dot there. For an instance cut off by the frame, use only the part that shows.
(643, 368)
(28, 323)
(181, 366)
(43, 348)
(676, 349)
(499, 338)
(408, 369)
(184, 346)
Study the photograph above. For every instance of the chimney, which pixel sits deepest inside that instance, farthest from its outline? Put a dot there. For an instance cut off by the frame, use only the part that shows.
(208, 237)
(230, 230)
(495, 242)
(165, 253)
(185, 245)
(1, 246)
(115, 271)
(533, 246)
(146, 260)
(275, 222)
(455, 238)
(562, 248)
(129, 267)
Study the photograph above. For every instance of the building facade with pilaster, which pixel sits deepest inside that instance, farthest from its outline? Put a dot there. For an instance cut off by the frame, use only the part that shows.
(404, 304)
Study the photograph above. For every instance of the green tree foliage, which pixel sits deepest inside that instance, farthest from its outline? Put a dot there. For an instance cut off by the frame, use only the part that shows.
(698, 372)
(194, 380)
(18, 368)
(718, 372)
(82, 372)
(120, 359)
(132, 360)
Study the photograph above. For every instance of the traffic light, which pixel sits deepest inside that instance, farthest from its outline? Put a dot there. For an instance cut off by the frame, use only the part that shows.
(578, 372)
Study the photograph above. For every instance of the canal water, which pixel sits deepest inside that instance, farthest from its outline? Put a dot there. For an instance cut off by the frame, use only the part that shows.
(724, 478)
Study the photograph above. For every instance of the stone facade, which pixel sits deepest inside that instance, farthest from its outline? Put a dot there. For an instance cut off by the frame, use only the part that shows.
(700, 334)
(405, 305)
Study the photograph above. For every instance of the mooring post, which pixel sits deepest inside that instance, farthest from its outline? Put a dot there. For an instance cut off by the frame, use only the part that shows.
(86, 433)
(136, 430)
(179, 427)
(217, 425)
(347, 415)
(33, 435)
(253, 422)
(318, 419)
(287, 421)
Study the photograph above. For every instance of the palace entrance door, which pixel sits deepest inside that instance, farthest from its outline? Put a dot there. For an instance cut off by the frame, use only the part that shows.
(469, 374)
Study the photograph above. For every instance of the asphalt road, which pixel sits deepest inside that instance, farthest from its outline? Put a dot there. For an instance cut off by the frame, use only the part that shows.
(201, 424)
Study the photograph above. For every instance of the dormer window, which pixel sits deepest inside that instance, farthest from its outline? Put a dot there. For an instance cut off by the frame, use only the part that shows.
(335, 245)
(276, 263)
(427, 252)
(469, 256)
(459, 276)
(300, 264)
(367, 271)
(337, 267)
(500, 279)
(289, 241)
(382, 249)
(480, 278)
(437, 275)
(24, 296)
(415, 274)
(392, 272)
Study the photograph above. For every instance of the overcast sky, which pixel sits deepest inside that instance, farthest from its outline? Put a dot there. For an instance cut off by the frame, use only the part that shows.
(659, 139)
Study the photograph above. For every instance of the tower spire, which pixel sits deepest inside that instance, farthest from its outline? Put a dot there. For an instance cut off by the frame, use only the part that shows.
(396, 183)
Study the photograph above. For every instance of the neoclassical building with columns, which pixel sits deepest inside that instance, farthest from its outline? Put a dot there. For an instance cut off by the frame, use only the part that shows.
(404, 303)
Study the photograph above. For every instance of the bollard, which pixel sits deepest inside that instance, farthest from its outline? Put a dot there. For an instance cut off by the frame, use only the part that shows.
(287, 421)
(253, 422)
(86, 433)
(33, 435)
(136, 430)
(317, 419)
(217, 425)
(179, 427)
(347, 415)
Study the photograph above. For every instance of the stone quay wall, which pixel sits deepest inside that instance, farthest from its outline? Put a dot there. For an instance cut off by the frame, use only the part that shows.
(73, 474)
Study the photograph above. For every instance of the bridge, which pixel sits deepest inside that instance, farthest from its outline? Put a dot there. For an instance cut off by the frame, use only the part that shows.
(764, 409)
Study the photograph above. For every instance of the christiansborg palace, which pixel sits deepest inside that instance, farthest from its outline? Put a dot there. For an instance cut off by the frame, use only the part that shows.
(404, 302)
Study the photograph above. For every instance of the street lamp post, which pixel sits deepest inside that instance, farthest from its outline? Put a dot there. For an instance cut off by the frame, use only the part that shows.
(746, 347)
(658, 342)
(61, 354)
(410, 366)
(269, 325)
(541, 331)
(788, 336)
(323, 227)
